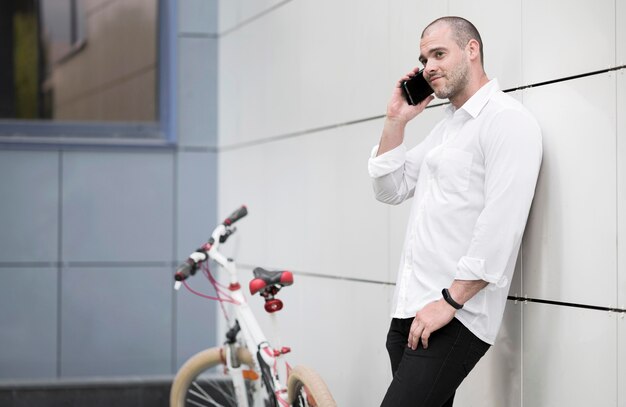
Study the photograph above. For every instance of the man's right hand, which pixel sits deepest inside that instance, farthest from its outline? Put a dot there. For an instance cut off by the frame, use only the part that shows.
(399, 113)
(398, 109)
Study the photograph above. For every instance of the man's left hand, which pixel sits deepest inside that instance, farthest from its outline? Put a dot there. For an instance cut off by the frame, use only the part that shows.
(435, 315)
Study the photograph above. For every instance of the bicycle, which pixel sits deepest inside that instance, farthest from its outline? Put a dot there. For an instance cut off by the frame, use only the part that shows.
(247, 357)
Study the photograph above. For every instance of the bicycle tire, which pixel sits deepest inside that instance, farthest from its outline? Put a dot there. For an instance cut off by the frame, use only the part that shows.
(306, 388)
(186, 387)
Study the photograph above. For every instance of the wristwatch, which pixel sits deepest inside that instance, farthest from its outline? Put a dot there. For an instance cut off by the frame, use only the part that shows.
(449, 300)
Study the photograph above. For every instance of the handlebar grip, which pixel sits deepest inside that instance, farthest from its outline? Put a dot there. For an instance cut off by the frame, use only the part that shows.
(185, 270)
(235, 216)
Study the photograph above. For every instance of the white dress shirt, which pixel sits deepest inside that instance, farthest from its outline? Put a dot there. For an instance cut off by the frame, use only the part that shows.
(472, 181)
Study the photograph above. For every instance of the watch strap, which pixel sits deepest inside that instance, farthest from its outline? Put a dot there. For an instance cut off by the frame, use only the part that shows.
(450, 300)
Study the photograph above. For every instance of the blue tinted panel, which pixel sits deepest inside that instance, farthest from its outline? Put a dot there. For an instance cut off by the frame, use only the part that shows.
(117, 206)
(198, 16)
(198, 92)
(29, 189)
(28, 323)
(195, 317)
(116, 321)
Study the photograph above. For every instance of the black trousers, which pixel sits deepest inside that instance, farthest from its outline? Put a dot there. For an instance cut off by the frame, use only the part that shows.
(430, 377)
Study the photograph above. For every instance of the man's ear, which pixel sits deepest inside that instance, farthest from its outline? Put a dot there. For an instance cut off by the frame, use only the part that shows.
(473, 48)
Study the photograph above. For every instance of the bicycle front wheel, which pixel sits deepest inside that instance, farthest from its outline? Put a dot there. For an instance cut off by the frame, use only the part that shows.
(199, 384)
(306, 388)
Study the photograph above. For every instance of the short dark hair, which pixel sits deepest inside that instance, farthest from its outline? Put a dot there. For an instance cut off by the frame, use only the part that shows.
(463, 32)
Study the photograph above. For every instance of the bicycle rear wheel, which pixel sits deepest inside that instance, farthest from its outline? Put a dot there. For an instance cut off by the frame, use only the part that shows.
(197, 384)
(305, 388)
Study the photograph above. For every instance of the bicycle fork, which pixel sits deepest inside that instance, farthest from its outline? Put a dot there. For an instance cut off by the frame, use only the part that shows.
(236, 373)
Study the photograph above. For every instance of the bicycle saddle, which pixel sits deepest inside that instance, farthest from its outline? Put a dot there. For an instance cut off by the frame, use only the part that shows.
(265, 278)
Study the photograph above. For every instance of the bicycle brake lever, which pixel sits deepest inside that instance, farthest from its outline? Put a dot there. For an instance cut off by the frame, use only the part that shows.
(229, 231)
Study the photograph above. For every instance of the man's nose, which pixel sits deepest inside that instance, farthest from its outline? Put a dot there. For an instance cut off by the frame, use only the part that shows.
(430, 68)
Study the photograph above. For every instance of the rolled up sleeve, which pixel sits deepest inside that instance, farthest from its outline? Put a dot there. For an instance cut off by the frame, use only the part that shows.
(386, 163)
(470, 268)
(388, 175)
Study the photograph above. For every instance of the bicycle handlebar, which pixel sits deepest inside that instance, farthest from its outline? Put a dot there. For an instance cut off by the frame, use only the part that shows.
(188, 268)
(235, 216)
(220, 234)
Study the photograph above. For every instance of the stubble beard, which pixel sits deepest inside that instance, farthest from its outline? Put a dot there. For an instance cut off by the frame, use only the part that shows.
(457, 81)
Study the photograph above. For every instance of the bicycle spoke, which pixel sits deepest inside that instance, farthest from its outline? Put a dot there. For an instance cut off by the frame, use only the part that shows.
(210, 400)
(302, 399)
(195, 403)
(201, 390)
(201, 394)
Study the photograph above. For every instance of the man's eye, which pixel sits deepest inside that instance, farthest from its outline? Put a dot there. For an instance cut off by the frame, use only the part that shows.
(439, 54)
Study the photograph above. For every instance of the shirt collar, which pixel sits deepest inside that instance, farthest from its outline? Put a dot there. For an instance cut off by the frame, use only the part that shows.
(475, 104)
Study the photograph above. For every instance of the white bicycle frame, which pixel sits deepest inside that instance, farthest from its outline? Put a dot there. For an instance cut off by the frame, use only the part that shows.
(255, 340)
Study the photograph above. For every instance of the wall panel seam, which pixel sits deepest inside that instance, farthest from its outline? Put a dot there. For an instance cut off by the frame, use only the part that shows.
(515, 299)
(324, 276)
(196, 35)
(90, 264)
(175, 220)
(59, 287)
(525, 300)
(253, 18)
(271, 139)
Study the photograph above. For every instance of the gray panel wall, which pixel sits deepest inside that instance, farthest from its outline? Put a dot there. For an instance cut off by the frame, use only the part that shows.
(196, 192)
(29, 237)
(89, 238)
(304, 123)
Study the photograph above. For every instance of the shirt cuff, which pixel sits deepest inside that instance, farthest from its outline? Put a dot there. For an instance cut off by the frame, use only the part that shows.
(386, 163)
(470, 268)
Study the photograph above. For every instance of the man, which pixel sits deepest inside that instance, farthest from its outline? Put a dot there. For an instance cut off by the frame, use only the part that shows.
(472, 179)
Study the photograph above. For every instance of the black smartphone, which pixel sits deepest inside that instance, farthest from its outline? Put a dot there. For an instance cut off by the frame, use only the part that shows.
(416, 88)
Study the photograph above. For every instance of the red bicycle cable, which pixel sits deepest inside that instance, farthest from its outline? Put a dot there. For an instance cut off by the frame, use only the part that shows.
(221, 295)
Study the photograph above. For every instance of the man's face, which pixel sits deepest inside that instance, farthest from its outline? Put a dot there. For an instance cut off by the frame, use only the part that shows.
(446, 66)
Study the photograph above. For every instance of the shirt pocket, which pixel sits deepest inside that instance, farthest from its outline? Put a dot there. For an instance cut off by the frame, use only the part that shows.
(455, 169)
